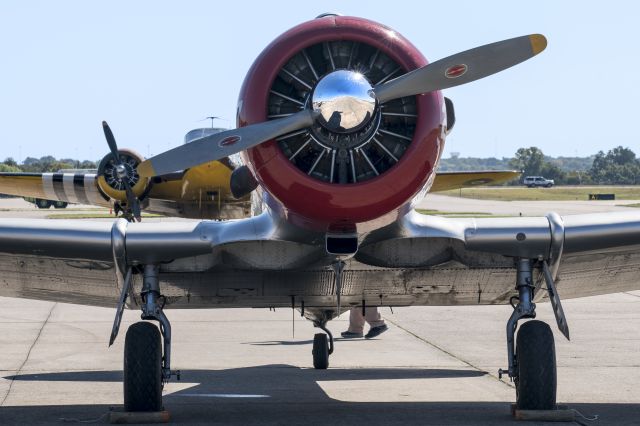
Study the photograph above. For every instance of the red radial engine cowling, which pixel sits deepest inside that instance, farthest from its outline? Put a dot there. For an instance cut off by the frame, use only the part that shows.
(327, 180)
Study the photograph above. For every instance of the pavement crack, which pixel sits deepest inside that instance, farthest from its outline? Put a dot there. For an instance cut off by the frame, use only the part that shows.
(631, 294)
(28, 355)
(433, 345)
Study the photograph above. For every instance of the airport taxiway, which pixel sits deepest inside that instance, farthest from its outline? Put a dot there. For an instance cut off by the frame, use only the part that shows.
(522, 208)
(436, 365)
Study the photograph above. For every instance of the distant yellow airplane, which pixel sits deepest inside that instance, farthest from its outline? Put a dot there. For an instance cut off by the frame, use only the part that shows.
(213, 190)
(218, 189)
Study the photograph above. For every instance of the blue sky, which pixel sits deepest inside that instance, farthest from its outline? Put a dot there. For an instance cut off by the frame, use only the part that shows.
(152, 69)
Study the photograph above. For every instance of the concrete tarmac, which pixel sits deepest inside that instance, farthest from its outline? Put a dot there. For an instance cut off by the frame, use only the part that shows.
(526, 208)
(436, 365)
(17, 207)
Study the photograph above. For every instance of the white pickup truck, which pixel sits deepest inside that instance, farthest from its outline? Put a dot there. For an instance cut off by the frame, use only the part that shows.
(534, 181)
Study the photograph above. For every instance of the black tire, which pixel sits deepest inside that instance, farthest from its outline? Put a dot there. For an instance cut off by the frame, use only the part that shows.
(43, 204)
(143, 368)
(60, 205)
(320, 351)
(536, 383)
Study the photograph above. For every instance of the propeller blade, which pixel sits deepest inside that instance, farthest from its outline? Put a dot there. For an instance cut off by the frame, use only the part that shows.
(223, 144)
(463, 67)
(111, 141)
(132, 202)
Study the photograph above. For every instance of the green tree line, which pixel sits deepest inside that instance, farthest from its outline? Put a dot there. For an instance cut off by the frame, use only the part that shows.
(44, 164)
(618, 166)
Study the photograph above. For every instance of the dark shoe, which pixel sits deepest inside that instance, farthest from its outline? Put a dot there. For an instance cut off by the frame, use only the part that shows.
(376, 331)
(350, 335)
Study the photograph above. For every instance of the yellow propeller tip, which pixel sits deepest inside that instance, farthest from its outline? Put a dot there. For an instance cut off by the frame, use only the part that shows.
(538, 43)
(146, 170)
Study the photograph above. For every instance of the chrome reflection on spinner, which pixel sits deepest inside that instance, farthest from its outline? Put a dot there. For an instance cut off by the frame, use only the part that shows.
(345, 101)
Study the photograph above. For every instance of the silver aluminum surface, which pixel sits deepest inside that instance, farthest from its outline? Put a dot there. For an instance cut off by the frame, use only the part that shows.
(264, 260)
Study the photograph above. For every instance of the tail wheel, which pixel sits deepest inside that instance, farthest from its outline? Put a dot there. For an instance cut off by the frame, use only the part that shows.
(536, 382)
(143, 368)
(320, 351)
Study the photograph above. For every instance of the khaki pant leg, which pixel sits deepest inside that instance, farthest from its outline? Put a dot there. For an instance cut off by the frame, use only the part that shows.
(356, 320)
(373, 317)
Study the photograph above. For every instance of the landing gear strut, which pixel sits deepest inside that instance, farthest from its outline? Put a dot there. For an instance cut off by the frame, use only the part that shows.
(146, 369)
(532, 359)
(152, 305)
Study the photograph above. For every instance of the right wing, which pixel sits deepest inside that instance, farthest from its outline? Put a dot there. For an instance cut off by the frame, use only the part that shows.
(473, 258)
(77, 188)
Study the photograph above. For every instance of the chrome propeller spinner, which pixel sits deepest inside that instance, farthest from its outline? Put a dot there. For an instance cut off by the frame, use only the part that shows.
(345, 101)
(121, 171)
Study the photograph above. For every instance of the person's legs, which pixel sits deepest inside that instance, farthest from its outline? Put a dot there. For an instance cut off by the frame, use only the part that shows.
(372, 316)
(376, 323)
(356, 321)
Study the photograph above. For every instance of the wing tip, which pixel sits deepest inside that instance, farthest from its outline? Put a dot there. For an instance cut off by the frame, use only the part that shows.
(538, 43)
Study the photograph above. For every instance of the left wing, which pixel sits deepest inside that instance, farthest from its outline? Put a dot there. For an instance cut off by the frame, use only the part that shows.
(445, 181)
(78, 188)
(265, 261)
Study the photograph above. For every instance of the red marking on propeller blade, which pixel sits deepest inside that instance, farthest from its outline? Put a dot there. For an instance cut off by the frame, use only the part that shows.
(229, 140)
(456, 71)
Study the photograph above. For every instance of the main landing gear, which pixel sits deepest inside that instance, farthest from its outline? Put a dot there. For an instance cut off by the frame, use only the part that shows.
(147, 350)
(532, 358)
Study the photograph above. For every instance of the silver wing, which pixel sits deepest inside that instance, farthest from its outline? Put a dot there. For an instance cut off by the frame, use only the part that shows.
(265, 261)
